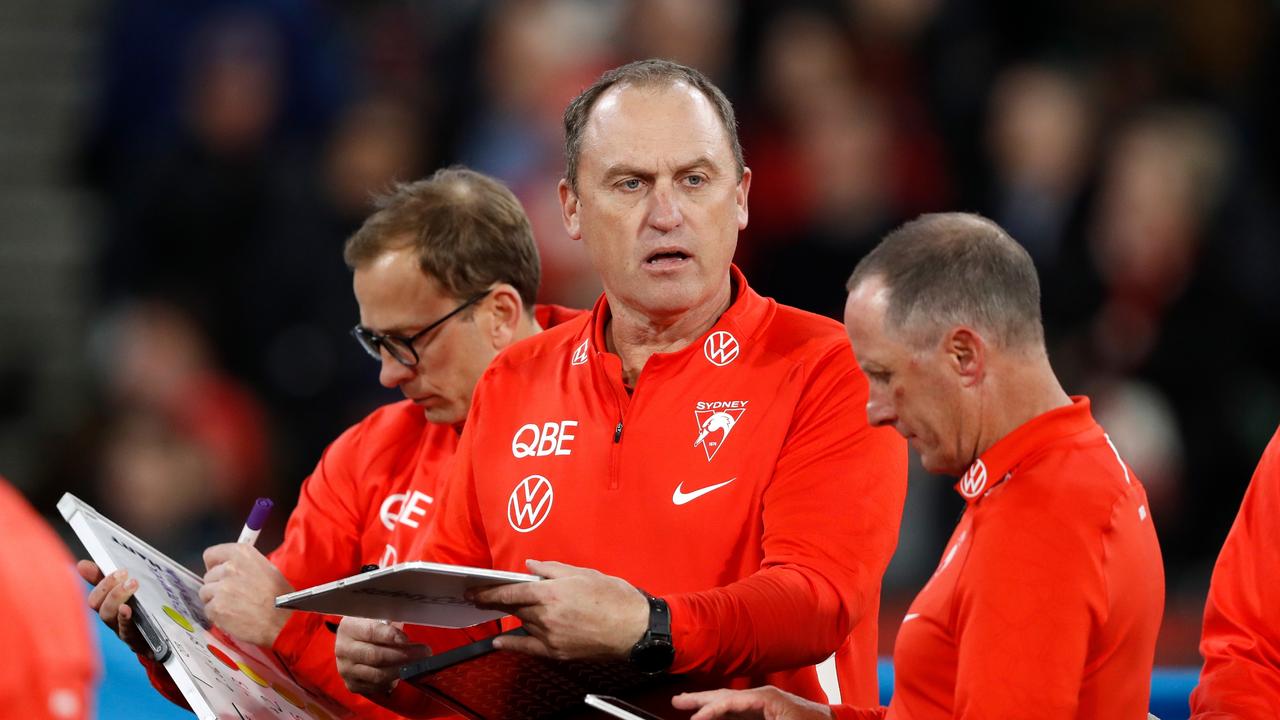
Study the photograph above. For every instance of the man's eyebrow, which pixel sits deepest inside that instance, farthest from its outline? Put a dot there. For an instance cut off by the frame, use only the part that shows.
(620, 170)
(404, 330)
(699, 163)
(624, 170)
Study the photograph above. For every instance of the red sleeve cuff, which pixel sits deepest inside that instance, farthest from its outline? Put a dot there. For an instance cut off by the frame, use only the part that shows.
(848, 712)
(296, 636)
(162, 682)
(690, 642)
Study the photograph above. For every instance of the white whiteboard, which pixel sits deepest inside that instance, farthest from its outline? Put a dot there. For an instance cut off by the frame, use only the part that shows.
(422, 593)
(220, 678)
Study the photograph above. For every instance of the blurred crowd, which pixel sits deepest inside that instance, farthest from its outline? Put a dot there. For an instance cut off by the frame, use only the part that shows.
(234, 146)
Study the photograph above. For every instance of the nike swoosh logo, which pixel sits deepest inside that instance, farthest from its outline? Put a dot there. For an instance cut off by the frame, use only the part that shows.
(680, 497)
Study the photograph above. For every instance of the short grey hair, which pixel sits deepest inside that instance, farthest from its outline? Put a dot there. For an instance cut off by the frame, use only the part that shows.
(643, 73)
(948, 269)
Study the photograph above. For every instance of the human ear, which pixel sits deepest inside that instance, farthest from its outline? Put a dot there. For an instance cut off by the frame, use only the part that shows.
(966, 354)
(505, 309)
(569, 210)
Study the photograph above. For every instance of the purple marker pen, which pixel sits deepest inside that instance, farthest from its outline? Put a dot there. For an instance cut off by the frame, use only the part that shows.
(257, 518)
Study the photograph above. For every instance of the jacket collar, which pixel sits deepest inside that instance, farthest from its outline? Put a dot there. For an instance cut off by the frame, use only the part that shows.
(998, 463)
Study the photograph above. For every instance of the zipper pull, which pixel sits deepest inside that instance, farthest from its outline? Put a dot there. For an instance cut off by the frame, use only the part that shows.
(617, 432)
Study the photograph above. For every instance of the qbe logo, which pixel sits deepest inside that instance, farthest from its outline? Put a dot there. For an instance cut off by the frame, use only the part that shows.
(530, 503)
(721, 348)
(404, 508)
(551, 438)
(974, 481)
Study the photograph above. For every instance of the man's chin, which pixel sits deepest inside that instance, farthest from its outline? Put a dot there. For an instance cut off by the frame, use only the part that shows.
(666, 299)
(443, 415)
(938, 466)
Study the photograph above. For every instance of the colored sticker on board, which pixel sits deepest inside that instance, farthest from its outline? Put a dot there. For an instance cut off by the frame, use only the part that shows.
(248, 671)
(288, 696)
(223, 657)
(177, 617)
(318, 712)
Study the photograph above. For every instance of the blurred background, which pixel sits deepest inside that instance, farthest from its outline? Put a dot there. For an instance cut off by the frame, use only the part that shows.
(178, 178)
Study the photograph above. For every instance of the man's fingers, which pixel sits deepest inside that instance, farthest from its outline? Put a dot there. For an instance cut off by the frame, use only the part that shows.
(369, 680)
(384, 634)
(90, 571)
(506, 597)
(387, 656)
(733, 705)
(100, 590)
(215, 555)
(118, 591)
(207, 592)
(550, 569)
(372, 631)
(523, 644)
(762, 702)
(693, 700)
(124, 623)
(219, 572)
(118, 596)
(716, 703)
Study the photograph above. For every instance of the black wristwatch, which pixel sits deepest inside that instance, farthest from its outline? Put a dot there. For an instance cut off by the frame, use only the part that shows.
(654, 652)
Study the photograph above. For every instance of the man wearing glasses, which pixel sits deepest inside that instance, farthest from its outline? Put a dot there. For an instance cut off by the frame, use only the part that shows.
(445, 274)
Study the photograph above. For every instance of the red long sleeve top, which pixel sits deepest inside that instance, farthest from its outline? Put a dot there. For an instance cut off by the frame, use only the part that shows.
(52, 657)
(1241, 638)
(738, 479)
(1048, 598)
(372, 493)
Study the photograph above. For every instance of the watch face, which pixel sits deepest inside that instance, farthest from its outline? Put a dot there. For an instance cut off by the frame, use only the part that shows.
(653, 655)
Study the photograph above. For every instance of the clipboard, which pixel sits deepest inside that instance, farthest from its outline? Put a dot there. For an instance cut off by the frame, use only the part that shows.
(481, 683)
(219, 677)
(618, 708)
(422, 593)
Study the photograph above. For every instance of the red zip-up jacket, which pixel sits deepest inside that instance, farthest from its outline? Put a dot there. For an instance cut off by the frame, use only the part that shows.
(51, 658)
(1241, 639)
(372, 493)
(1048, 598)
(738, 479)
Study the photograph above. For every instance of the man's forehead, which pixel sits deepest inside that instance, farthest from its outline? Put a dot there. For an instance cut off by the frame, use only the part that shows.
(395, 294)
(868, 303)
(629, 124)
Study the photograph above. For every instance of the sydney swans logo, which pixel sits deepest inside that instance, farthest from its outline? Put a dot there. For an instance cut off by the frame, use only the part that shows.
(715, 421)
(530, 503)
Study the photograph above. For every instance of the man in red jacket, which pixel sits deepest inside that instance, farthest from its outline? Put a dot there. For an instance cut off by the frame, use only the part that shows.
(52, 657)
(690, 438)
(1241, 640)
(1048, 598)
(445, 274)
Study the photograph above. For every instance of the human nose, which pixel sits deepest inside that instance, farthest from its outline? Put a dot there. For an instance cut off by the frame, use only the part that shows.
(664, 209)
(393, 373)
(880, 410)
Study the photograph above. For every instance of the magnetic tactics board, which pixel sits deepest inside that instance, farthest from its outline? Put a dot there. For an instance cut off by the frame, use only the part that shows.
(220, 678)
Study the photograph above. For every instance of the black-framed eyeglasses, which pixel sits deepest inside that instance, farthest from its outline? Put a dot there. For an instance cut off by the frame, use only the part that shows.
(400, 347)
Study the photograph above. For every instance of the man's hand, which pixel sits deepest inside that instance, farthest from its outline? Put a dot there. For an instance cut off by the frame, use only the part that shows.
(767, 702)
(239, 593)
(574, 614)
(108, 598)
(370, 654)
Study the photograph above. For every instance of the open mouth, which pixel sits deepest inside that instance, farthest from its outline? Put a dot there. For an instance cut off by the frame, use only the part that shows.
(666, 257)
